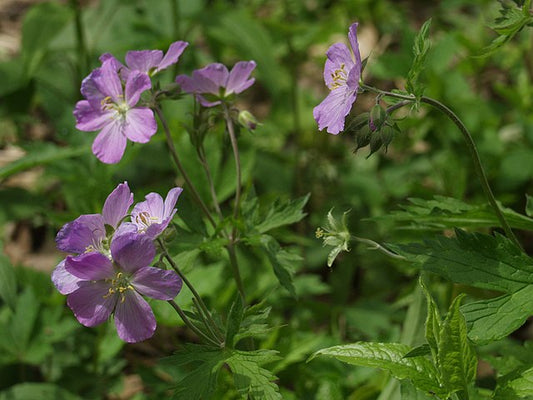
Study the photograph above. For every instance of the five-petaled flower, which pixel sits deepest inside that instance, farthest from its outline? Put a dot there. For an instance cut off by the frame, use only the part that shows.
(341, 75)
(216, 82)
(106, 285)
(153, 215)
(111, 108)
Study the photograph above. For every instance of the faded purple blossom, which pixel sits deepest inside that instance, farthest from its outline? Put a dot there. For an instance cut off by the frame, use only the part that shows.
(111, 108)
(216, 82)
(87, 233)
(153, 215)
(98, 286)
(341, 75)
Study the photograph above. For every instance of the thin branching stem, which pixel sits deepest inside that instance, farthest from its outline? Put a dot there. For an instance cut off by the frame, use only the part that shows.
(191, 326)
(196, 295)
(478, 166)
(177, 161)
(377, 246)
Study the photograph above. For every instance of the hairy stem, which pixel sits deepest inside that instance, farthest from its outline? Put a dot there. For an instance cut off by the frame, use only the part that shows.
(191, 326)
(203, 307)
(83, 55)
(478, 166)
(177, 161)
(377, 246)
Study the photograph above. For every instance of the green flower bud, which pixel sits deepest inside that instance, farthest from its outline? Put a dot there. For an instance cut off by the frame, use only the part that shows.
(378, 116)
(386, 135)
(247, 120)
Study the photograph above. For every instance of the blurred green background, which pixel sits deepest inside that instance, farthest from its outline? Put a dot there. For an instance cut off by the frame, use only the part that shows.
(48, 176)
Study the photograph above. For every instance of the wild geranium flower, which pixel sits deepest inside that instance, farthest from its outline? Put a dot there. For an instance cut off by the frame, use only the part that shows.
(341, 75)
(152, 61)
(87, 233)
(112, 109)
(114, 285)
(216, 82)
(153, 215)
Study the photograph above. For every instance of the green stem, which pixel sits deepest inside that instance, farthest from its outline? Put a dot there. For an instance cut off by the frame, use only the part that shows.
(191, 326)
(177, 161)
(233, 237)
(83, 54)
(377, 246)
(478, 166)
(196, 295)
(203, 160)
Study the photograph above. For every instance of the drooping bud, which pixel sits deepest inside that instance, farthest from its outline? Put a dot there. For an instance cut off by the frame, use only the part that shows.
(248, 120)
(386, 135)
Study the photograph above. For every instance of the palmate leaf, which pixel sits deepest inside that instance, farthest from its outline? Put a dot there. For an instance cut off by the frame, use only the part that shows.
(516, 385)
(282, 262)
(487, 262)
(283, 213)
(446, 212)
(251, 380)
(420, 51)
(388, 356)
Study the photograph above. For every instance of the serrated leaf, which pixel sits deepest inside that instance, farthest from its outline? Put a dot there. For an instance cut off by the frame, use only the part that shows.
(484, 261)
(433, 322)
(251, 380)
(201, 382)
(422, 350)
(234, 319)
(283, 213)
(254, 322)
(456, 358)
(420, 49)
(390, 357)
(445, 212)
(282, 262)
(493, 319)
(516, 385)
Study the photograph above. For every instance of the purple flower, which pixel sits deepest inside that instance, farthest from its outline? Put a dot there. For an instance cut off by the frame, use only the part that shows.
(152, 61)
(98, 285)
(149, 62)
(87, 233)
(111, 108)
(342, 76)
(216, 81)
(153, 215)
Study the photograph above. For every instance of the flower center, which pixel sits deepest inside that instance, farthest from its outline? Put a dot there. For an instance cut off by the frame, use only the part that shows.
(121, 107)
(119, 285)
(339, 77)
(143, 220)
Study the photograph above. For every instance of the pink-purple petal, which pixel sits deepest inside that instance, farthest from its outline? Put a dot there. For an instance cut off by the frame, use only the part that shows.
(132, 251)
(140, 125)
(117, 204)
(334, 108)
(91, 303)
(134, 318)
(90, 266)
(143, 60)
(136, 84)
(63, 280)
(171, 200)
(238, 79)
(77, 236)
(157, 283)
(90, 119)
(352, 37)
(153, 205)
(173, 54)
(110, 143)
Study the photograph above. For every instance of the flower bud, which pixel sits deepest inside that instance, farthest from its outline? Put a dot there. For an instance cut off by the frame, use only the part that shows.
(247, 120)
(386, 135)
(378, 116)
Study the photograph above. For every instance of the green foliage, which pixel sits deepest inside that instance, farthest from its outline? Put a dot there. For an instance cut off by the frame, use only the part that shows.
(446, 212)
(391, 357)
(421, 47)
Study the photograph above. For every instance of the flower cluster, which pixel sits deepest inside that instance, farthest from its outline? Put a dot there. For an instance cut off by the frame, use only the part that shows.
(108, 270)
(113, 92)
